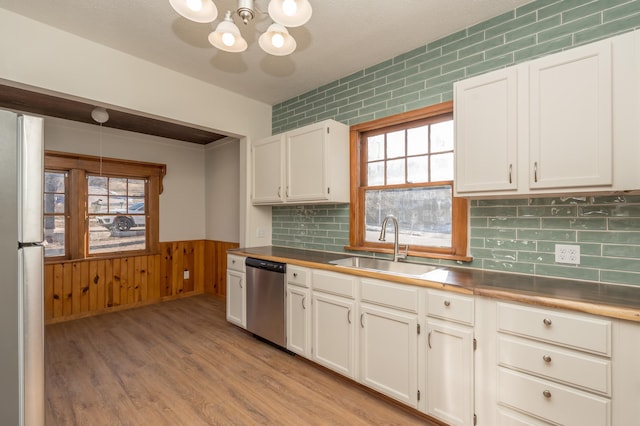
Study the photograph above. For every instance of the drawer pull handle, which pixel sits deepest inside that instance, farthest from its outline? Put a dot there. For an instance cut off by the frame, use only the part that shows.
(447, 303)
(361, 319)
(240, 283)
(546, 321)
(349, 316)
(546, 394)
(429, 339)
(295, 275)
(546, 358)
(303, 299)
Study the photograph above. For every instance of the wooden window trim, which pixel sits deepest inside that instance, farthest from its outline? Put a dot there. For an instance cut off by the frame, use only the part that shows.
(459, 238)
(78, 166)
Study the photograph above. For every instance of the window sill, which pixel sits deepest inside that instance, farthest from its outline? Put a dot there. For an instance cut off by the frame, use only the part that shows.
(444, 256)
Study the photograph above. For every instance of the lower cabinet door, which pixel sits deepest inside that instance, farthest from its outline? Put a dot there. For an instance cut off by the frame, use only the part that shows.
(299, 320)
(334, 333)
(236, 298)
(449, 372)
(389, 352)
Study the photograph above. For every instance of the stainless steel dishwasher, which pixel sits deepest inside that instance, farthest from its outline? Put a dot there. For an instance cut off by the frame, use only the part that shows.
(266, 293)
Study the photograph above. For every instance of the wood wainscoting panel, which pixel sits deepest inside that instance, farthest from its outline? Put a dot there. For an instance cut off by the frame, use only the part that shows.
(215, 265)
(85, 287)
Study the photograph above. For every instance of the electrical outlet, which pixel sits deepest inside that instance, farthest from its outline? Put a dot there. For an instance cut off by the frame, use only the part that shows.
(566, 253)
(186, 274)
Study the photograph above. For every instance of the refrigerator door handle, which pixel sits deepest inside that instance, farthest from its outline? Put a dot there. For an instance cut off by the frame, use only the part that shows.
(30, 179)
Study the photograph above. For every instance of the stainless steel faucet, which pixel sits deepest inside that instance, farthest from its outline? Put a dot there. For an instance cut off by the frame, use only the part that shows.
(383, 232)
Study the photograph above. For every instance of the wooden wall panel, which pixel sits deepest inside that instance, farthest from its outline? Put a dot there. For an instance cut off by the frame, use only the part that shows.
(79, 288)
(215, 265)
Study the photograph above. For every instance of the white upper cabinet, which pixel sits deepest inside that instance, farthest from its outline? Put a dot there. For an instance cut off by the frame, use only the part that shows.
(309, 164)
(571, 138)
(266, 159)
(552, 125)
(486, 132)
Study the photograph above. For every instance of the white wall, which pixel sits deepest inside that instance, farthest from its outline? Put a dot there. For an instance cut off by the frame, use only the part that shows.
(222, 188)
(182, 205)
(40, 57)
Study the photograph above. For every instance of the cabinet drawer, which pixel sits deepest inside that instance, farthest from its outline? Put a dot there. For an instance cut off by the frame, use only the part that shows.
(507, 417)
(572, 367)
(574, 331)
(235, 263)
(388, 294)
(331, 282)
(551, 401)
(298, 275)
(450, 306)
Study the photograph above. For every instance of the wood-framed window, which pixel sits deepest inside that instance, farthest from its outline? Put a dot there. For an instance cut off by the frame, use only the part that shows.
(402, 165)
(111, 206)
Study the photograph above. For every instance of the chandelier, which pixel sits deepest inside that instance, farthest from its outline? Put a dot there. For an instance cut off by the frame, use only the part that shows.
(275, 41)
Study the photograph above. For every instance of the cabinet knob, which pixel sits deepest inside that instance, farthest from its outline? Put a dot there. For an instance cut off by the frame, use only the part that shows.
(233, 261)
(546, 321)
(546, 358)
(295, 275)
(447, 303)
(546, 393)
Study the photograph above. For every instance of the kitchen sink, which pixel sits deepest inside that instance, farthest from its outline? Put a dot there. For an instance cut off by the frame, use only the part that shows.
(385, 266)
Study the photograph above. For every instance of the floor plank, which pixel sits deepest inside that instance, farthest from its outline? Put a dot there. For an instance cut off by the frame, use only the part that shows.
(182, 363)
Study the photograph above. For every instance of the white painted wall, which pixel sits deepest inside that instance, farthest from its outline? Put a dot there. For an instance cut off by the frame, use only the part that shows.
(182, 203)
(43, 58)
(222, 189)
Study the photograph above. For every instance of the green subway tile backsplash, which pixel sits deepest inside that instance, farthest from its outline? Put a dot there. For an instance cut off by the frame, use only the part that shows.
(512, 235)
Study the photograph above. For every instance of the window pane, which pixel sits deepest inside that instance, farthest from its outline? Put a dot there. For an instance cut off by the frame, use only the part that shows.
(424, 215)
(98, 185)
(418, 140)
(442, 136)
(136, 188)
(119, 224)
(54, 182)
(395, 172)
(375, 148)
(395, 144)
(418, 169)
(442, 167)
(376, 173)
(54, 236)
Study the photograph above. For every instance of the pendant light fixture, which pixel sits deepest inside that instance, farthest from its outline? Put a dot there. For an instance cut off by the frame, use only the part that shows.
(275, 41)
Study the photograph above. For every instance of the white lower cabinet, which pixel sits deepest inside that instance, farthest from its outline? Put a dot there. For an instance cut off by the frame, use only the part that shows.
(450, 358)
(334, 313)
(299, 320)
(236, 298)
(389, 352)
(334, 333)
(299, 310)
(236, 291)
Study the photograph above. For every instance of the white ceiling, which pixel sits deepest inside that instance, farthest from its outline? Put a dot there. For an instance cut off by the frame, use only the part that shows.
(342, 37)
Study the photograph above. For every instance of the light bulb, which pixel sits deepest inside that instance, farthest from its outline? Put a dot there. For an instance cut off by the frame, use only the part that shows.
(228, 39)
(289, 7)
(194, 5)
(277, 40)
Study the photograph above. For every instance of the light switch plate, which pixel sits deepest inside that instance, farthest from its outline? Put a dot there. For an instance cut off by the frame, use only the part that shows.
(186, 274)
(567, 253)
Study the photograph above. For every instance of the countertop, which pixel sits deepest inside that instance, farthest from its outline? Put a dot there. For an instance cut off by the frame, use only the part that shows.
(611, 300)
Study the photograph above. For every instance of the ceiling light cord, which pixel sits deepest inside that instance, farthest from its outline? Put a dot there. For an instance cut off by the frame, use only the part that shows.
(227, 37)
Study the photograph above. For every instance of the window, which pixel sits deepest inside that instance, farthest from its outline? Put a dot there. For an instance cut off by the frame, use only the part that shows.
(100, 206)
(55, 213)
(404, 167)
(116, 212)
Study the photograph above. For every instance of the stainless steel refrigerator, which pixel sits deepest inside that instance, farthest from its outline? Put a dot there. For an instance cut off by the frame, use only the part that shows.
(21, 270)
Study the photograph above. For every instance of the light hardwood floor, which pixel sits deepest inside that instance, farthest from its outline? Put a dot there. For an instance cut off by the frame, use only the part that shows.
(181, 363)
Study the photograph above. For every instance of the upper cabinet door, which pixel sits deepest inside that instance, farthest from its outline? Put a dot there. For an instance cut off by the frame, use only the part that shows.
(266, 158)
(306, 163)
(570, 118)
(486, 132)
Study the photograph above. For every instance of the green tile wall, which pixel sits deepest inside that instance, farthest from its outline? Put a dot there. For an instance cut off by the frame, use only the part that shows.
(516, 235)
